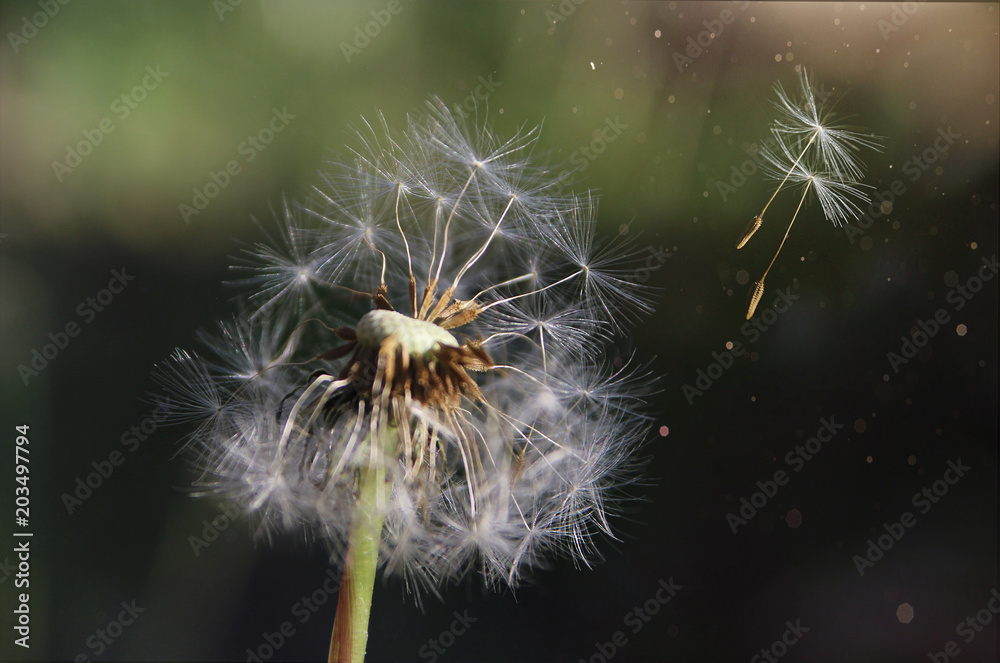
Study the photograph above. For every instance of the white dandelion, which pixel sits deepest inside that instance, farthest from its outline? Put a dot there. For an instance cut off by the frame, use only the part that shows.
(417, 381)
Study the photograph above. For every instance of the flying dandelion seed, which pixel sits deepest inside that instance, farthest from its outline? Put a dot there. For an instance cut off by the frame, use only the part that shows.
(812, 153)
(416, 379)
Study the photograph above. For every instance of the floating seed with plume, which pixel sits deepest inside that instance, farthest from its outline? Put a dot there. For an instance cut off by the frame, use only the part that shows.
(811, 152)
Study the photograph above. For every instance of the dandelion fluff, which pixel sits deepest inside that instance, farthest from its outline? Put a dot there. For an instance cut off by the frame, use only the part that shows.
(426, 329)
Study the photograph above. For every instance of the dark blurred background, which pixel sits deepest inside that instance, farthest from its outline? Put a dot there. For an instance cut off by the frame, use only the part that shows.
(199, 78)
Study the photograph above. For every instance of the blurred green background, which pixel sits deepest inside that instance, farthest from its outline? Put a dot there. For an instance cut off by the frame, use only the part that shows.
(161, 96)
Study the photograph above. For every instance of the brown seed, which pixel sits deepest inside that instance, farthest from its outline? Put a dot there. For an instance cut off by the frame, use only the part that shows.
(754, 299)
(751, 229)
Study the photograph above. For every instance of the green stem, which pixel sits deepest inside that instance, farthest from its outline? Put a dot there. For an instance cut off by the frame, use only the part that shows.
(350, 626)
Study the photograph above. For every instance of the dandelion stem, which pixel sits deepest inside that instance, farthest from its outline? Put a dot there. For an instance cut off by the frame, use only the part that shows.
(758, 286)
(533, 292)
(447, 224)
(482, 249)
(523, 277)
(350, 626)
(801, 200)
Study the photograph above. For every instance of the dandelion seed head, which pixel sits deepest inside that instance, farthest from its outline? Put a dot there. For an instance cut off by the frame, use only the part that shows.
(437, 311)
